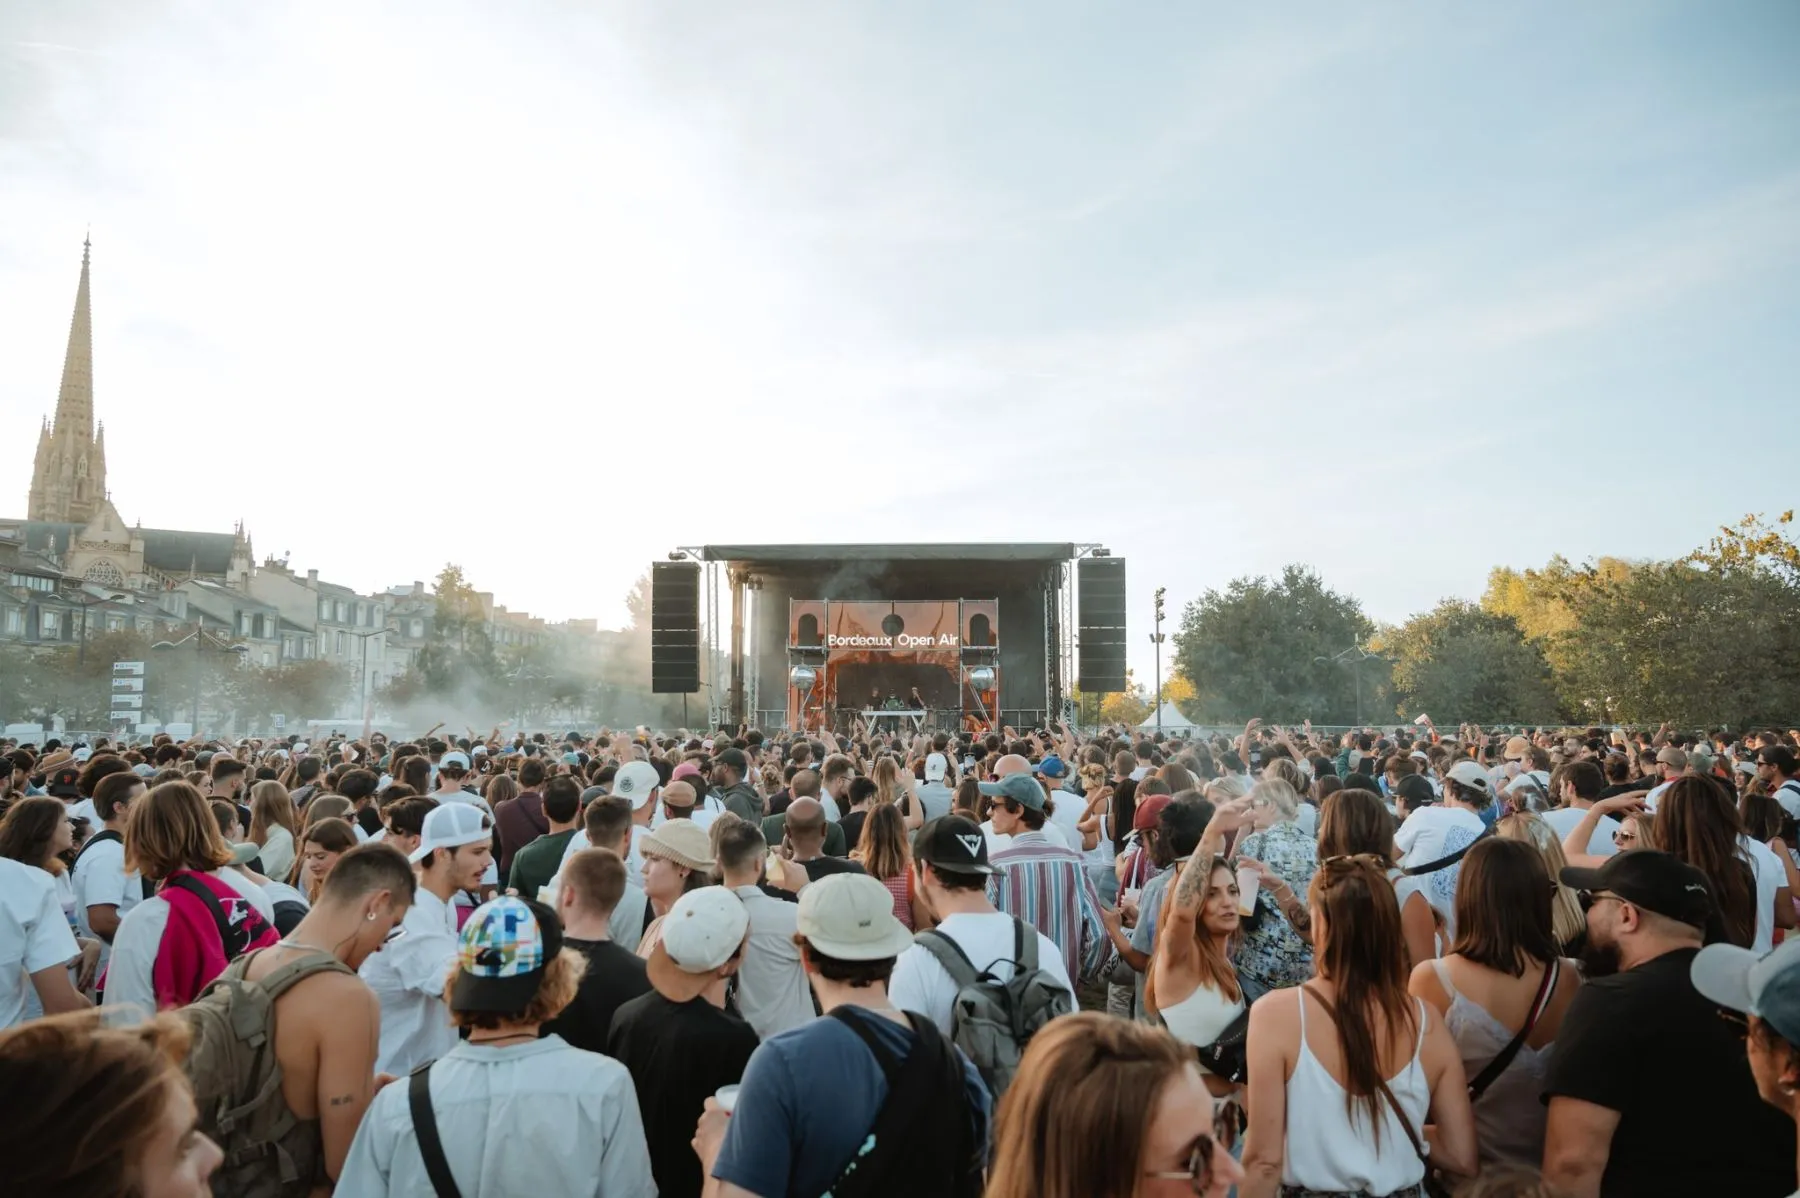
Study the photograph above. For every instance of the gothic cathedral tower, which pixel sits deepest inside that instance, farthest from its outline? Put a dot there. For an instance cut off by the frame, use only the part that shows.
(68, 482)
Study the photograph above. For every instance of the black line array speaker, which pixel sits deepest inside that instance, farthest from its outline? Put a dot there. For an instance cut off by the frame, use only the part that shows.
(674, 628)
(1100, 590)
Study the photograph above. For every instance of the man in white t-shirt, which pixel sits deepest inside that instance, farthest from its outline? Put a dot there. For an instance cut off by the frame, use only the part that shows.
(36, 945)
(951, 871)
(1671, 763)
(1577, 785)
(104, 889)
(1066, 805)
(936, 796)
(1779, 770)
(1437, 832)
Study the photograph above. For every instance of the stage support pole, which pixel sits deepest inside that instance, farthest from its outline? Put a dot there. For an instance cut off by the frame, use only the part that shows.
(736, 579)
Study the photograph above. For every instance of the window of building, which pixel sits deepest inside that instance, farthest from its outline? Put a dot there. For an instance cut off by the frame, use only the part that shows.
(343, 643)
(418, 628)
(340, 611)
(115, 623)
(324, 609)
(50, 625)
(13, 621)
(105, 574)
(34, 582)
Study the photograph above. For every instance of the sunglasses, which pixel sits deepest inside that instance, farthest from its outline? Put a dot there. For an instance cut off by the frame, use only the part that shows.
(1199, 1163)
(1587, 898)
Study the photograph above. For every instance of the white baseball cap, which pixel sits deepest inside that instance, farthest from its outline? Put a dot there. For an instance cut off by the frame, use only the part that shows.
(851, 917)
(636, 781)
(451, 825)
(1472, 776)
(702, 931)
(936, 766)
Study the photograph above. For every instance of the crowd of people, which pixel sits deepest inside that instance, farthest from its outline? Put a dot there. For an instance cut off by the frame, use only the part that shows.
(1039, 965)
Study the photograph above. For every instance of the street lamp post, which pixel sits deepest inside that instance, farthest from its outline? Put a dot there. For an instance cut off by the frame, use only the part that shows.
(362, 682)
(200, 648)
(83, 600)
(1353, 657)
(1156, 638)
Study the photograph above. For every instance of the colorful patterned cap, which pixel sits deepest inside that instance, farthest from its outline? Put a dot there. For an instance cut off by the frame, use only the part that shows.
(502, 953)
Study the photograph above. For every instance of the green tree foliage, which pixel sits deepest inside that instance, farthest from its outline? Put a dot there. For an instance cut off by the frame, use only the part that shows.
(1674, 641)
(1470, 664)
(1252, 649)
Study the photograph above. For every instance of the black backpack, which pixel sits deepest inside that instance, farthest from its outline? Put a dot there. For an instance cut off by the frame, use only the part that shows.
(147, 888)
(923, 1141)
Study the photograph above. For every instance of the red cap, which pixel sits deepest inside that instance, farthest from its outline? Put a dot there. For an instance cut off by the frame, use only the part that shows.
(1148, 811)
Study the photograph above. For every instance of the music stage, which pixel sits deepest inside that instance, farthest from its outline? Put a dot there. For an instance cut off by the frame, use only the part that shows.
(985, 633)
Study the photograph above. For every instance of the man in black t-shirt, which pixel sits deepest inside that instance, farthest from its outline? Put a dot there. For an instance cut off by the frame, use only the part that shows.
(1649, 1090)
(592, 883)
(680, 1042)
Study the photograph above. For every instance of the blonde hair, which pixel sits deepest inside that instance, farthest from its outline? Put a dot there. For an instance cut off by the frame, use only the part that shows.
(1223, 790)
(1568, 921)
(1286, 769)
(1277, 793)
(888, 787)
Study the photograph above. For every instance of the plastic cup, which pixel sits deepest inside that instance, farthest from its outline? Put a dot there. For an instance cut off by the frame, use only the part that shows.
(726, 1097)
(1248, 880)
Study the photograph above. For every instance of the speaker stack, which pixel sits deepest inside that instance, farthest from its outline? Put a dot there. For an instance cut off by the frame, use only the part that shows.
(1100, 591)
(675, 628)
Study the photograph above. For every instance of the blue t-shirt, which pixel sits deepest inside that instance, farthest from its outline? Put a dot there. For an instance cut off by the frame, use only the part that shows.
(810, 1095)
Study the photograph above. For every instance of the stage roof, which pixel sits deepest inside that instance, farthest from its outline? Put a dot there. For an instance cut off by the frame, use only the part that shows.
(1012, 552)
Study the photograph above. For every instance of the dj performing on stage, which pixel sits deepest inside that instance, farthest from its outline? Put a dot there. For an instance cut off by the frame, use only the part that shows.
(904, 637)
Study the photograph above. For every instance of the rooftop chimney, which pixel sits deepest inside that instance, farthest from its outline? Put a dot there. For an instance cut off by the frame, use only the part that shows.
(312, 578)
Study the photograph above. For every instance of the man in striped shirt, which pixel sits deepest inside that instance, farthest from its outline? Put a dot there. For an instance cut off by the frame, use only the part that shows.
(1041, 882)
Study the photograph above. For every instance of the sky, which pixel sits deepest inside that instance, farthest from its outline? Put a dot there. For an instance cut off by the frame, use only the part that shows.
(547, 289)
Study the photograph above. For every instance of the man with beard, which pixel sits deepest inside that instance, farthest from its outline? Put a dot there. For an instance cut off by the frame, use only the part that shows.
(1649, 1089)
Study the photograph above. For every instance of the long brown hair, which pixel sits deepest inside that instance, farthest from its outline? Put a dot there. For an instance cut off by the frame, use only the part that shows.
(270, 807)
(1568, 922)
(172, 828)
(1215, 960)
(28, 828)
(1504, 901)
(1355, 821)
(1074, 1121)
(97, 1099)
(1697, 822)
(332, 835)
(1359, 947)
(882, 849)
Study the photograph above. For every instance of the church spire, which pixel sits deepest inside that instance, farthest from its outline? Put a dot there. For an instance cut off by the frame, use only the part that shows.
(75, 402)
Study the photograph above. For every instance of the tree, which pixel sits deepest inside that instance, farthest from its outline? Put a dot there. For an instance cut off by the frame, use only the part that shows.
(1674, 641)
(1178, 690)
(1130, 706)
(1469, 664)
(1253, 650)
(1751, 544)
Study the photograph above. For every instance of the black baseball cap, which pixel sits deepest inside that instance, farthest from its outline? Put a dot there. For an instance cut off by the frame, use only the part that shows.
(1415, 790)
(735, 759)
(1655, 881)
(63, 782)
(953, 844)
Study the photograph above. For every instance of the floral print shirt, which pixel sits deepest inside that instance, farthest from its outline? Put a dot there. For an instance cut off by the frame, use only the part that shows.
(1272, 955)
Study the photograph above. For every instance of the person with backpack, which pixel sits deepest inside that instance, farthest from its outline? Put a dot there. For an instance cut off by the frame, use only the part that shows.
(980, 972)
(866, 1102)
(203, 915)
(285, 1119)
(505, 1112)
(104, 889)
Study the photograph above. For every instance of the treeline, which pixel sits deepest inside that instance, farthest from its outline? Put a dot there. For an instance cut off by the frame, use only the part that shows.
(1710, 639)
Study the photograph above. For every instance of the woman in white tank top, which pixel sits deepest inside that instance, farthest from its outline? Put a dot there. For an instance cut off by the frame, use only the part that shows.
(1191, 983)
(1350, 1061)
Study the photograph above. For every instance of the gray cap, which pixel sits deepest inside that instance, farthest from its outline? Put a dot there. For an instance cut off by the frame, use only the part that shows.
(1767, 987)
(1022, 789)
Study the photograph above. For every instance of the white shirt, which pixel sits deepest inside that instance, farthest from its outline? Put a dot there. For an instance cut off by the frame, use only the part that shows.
(129, 976)
(920, 982)
(1562, 821)
(935, 799)
(84, 809)
(1788, 795)
(1429, 834)
(408, 978)
(634, 860)
(34, 935)
(537, 1118)
(1067, 816)
(1770, 877)
(773, 994)
(1655, 793)
(996, 841)
(101, 880)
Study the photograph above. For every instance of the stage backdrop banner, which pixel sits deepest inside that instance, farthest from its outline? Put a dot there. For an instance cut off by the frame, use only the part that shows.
(912, 627)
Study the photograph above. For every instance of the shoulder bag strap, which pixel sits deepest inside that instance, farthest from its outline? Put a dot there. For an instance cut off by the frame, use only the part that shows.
(1497, 1066)
(214, 907)
(1431, 867)
(913, 1085)
(1381, 1085)
(950, 955)
(100, 837)
(431, 1147)
(1025, 946)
